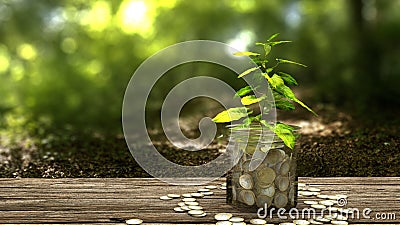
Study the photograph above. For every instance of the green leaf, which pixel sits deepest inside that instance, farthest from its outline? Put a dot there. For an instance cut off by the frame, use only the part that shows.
(287, 78)
(290, 62)
(267, 49)
(251, 99)
(288, 93)
(284, 105)
(305, 106)
(243, 91)
(284, 132)
(272, 37)
(273, 43)
(231, 114)
(248, 71)
(276, 81)
(246, 54)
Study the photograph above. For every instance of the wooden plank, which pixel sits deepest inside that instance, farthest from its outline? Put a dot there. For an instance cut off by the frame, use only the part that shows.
(114, 200)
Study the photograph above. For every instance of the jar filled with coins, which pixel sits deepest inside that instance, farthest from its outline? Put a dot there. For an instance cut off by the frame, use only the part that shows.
(264, 171)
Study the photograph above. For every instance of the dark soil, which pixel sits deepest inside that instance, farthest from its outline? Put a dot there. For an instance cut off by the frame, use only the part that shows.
(333, 144)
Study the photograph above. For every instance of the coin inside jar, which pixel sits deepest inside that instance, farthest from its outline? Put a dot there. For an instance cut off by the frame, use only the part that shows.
(266, 176)
(274, 156)
(280, 200)
(282, 183)
(247, 197)
(246, 181)
(264, 201)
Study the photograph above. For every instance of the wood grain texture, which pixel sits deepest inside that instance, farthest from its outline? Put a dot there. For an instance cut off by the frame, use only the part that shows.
(113, 200)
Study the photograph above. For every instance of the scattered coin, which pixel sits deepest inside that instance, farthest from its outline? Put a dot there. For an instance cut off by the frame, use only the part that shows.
(339, 222)
(223, 184)
(200, 215)
(134, 221)
(306, 193)
(318, 206)
(187, 195)
(191, 203)
(223, 216)
(203, 190)
(197, 195)
(195, 207)
(173, 195)
(207, 193)
(333, 197)
(238, 223)
(326, 203)
(341, 196)
(301, 222)
(236, 219)
(188, 199)
(181, 204)
(345, 211)
(223, 223)
(312, 221)
(186, 208)
(287, 224)
(179, 209)
(301, 184)
(195, 212)
(323, 196)
(223, 187)
(165, 198)
(313, 189)
(258, 221)
(322, 219)
(314, 193)
(309, 202)
(211, 187)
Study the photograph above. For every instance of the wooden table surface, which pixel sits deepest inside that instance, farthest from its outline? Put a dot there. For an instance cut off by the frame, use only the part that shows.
(113, 200)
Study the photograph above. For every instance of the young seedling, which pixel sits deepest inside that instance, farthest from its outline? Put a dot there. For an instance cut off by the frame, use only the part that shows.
(278, 81)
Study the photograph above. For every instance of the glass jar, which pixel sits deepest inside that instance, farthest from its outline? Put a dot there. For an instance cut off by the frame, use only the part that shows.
(264, 172)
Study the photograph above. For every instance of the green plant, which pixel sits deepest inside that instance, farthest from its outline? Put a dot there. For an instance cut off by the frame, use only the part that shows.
(279, 83)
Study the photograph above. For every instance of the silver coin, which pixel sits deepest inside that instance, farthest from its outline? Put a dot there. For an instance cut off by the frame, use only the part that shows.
(223, 187)
(134, 221)
(333, 197)
(197, 195)
(323, 196)
(223, 223)
(195, 207)
(179, 209)
(301, 222)
(246, 181)
(238, 223)
(191, 203)
(306, 193)
(223, 184)
(173, 195)
(287, 224)
(326, 203)
(341, 217)
(322, 219)
(188, 199)
(318, 206)
(339, 222)
(186, 208)
(301, 185)
(181, 204)
(165, 198)
(187, 195)
(314, 222)
(309, 202)
(207, 193)
(258, 221)
(341, 196)
(203, 190)
(210, 187)
(223, 216)
(236, 219)
(313, 189)
(195, 212)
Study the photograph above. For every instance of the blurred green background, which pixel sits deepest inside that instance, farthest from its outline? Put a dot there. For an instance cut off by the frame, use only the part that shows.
(66, 64)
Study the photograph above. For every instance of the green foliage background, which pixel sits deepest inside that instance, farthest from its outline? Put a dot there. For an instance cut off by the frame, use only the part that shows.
(67, 63)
